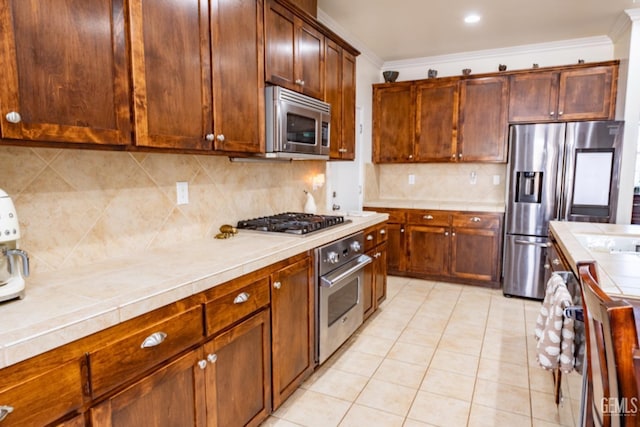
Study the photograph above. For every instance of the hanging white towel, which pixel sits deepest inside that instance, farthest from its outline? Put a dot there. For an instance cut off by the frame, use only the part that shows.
(555, 332)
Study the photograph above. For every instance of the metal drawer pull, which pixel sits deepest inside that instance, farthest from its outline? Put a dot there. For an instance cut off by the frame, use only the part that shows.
(212, 358)
(153, 340)
(369, 237)
(277, 285)
(556, 261)
(383, 232)
(4, 411)
(475, 219)
(202, 364)
(427, 217)
(242, 297)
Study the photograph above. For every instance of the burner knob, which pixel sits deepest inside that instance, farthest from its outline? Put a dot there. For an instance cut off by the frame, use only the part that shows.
(333, 257)
(355, 246)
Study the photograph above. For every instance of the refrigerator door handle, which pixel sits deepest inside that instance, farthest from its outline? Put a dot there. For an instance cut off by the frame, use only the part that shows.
(526, 242)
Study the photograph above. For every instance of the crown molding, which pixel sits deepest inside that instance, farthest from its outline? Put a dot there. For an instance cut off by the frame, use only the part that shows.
(620, 27)
(350, 38)
(528, 49)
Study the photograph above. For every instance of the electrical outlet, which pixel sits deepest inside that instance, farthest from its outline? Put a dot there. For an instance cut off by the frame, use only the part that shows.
(182, 193)
(412, 179)
(496, 179)
(473, 178)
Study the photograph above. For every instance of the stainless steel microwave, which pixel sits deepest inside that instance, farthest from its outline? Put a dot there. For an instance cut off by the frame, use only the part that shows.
(297, 125)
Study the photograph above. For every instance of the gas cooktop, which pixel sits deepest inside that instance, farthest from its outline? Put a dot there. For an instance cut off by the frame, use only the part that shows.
(292, 222)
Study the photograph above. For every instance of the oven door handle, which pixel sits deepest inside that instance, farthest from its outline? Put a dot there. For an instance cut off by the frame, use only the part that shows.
(328, 280)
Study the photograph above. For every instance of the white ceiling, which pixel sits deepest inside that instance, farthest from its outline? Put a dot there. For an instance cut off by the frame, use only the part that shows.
(407, 29)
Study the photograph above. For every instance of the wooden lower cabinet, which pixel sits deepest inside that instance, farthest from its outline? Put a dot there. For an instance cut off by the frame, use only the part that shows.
(238, 378)
(173, 395)
(292, 328)
(374, 288)
(458, 246)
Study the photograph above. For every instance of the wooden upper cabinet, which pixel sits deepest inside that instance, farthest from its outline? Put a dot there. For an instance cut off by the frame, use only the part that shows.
(63, 80)
(588, 94)
(585, 93)
(238, 75)
(437, 121)
(393, 123)
(294, 52)
(482, 133)
(340, 92)
(170, 53)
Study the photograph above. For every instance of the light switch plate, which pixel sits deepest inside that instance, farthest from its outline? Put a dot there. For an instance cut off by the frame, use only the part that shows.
(496, 179)
(182, 193)
(412, 179)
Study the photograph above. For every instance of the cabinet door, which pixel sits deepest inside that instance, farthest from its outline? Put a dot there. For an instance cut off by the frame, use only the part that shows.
(280, 35)
(172, 107)
(482, 134)
(238, 75)
(292, 323)
(368, 285)
(309, 60)
(437, 116)
(395, 248)
(380, 282)
(587, 93)
(533, 97)
(348, 146)
(428, 250)
(77, 421)
(393, 123)
(171, 396)
(475, 254)
(64, 81)
(333, 94)
(238, 379)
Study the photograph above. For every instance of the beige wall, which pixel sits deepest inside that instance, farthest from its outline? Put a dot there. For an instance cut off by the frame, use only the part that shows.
(80, 206)
(436, 182)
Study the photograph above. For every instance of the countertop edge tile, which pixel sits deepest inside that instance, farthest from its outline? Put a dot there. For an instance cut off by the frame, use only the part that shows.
(449, 205)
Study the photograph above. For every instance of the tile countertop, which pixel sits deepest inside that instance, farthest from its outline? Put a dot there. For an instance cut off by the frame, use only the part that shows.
(69, 304)
(618, 273)
(435, 205)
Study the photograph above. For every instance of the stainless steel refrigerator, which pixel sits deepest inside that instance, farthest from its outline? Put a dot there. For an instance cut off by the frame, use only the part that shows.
(563, 171)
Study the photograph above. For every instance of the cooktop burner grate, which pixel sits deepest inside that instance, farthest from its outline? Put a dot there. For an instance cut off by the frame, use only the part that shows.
(291, 222)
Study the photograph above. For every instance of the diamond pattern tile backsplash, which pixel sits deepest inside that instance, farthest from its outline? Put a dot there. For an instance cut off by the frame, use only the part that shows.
(81, 206)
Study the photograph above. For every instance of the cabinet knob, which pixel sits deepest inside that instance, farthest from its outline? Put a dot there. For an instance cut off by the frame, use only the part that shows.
(475, 219)
(212, 358)
(202, 364)
(453, 156)
(241, 298)
(410, 156)
(547, 266)
(555, 262)
(552, 113)
(300, 82)
(220, 138)
(209, 137)
(13, 117)
(153, 340)
(427, 217)
(460, 155)
(446, 233)
(560, 113)
(277, 285)
(383, 231)
(402, 230)
(369, 237)
(453, 234)
(4, 411)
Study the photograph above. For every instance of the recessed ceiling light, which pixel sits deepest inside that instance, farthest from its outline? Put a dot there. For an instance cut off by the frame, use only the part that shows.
(472, 18)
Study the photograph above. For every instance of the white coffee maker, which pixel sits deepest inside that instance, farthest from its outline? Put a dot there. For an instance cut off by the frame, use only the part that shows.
(11, 275)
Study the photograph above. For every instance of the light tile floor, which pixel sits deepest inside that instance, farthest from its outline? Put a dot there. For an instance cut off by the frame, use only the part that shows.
(436, 354)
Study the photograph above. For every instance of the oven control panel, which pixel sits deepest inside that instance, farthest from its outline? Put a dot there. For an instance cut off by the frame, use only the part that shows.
(340, 252)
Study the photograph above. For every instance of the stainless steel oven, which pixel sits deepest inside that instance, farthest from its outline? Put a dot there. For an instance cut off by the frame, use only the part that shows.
(339, 303)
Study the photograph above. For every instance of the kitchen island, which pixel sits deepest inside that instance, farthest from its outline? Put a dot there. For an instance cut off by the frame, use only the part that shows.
(612, 246)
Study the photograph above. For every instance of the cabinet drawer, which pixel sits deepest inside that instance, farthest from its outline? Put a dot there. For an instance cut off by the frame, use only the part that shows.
(227, 309)
(382, 233)
(474, 220)
(147, 346)
(438, 218)
(44, 398)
